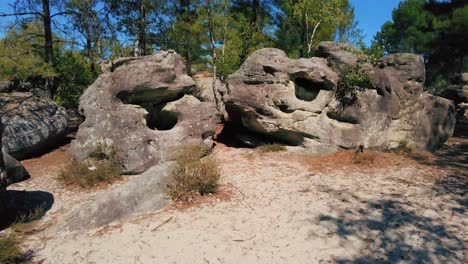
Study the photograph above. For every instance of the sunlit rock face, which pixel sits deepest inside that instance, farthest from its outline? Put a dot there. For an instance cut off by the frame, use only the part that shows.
(298, 102)
(143, 107)
(32, 124)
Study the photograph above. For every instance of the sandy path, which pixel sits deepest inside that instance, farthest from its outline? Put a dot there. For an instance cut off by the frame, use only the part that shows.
(285, 208)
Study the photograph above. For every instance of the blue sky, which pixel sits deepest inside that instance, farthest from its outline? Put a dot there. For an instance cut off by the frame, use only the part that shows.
(371, 14)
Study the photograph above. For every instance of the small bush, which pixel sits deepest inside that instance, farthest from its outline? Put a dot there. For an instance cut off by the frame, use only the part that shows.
(353, 80)
(195, 173)
(404, 147)
(361, 157)
(272, 148)
(32, 216)
(103, 165)
(10, 251)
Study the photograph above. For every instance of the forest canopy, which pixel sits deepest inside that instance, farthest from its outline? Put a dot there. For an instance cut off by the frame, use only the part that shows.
(59, 44)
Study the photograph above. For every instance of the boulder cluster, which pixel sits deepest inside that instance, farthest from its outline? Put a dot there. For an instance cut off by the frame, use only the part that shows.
(149, 106)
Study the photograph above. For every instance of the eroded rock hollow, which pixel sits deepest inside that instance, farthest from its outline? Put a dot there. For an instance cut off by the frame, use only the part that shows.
(144, 108)
(302, 102)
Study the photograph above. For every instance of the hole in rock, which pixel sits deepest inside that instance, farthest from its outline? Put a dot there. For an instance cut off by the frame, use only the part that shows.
(158, 118)
(236, 134)
(270, 70)
(307, 90)
(154, 101)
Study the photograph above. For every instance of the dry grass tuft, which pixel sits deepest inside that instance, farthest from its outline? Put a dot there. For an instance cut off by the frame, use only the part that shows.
(10, 251)
(196, 172)
(276, 147)
(103, 166)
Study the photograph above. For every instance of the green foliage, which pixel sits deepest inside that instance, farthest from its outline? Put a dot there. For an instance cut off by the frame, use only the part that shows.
(32, 216)
(276, 147)
(102, 166)
(195, 173)
(353, 80)
(74, 77)
(434, 29)
(300, 17)
(10, 251)
(21, 56)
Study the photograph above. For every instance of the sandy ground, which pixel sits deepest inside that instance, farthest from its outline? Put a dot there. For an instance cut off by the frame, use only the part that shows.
(283, 208)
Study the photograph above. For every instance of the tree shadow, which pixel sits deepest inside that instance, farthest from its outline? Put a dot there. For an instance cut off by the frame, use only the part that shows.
(393, 233)
(23, 203)
(452, 157)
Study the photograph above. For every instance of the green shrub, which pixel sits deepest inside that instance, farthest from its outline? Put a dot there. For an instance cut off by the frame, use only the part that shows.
(103, 165)
(372, 55)
(32, 216)
(275, 147)
(10, 252)
(195, 173)
(353, 80)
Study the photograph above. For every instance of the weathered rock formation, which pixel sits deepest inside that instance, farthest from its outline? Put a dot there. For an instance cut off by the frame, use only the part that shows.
(142, 107)
(11, 171)
(143, 193)
(302, 102)
(457, 91)
(31, 123)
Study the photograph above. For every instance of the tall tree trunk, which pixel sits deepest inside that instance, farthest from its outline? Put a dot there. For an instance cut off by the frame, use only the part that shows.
(49, 45)
(89, 49)
(255, 10)
(142, 29)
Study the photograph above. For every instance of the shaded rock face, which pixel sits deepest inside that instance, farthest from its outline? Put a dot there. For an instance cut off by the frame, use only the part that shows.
(11, 170)
(142, 107)
(295, 102)
(31, 124)
(457, 91)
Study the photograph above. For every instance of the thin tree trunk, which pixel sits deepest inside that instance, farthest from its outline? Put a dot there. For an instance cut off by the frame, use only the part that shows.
(312, 38)
(142, 30)
(255, 9)
(213, 47)
(49, 45)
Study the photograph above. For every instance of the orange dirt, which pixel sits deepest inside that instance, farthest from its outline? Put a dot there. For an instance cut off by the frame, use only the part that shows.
(50, 162)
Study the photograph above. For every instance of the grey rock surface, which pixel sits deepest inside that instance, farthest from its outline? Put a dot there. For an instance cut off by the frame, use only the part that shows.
(142, 107)
(296, 102)
(142, 193)
(11, 170)
(31, 124)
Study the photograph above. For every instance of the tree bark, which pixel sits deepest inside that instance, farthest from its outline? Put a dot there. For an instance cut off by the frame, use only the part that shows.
(49, 45)
(142, 29)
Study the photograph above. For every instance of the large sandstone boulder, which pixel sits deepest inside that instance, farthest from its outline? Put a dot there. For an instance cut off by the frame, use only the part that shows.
(31, 124)
(140, 194)
(298, 102)
(11, 171)
(142, 107)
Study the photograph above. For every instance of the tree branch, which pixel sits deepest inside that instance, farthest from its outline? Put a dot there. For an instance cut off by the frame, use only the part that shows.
(22, 14)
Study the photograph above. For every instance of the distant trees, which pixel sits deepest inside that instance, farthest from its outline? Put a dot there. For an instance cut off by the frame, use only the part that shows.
(28, 10)
(304, 23)
(212, 35)
(436, 30)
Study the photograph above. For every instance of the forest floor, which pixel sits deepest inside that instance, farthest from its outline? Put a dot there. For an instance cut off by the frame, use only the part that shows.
(277, 207)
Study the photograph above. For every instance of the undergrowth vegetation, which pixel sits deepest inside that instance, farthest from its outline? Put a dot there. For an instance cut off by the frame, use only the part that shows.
(361, 157)
(102, 166)
(10, 251)
(353, 81)
(275, 147)
(196, 172)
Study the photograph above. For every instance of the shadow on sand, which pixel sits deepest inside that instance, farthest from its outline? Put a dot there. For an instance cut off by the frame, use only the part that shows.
(23, 203)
